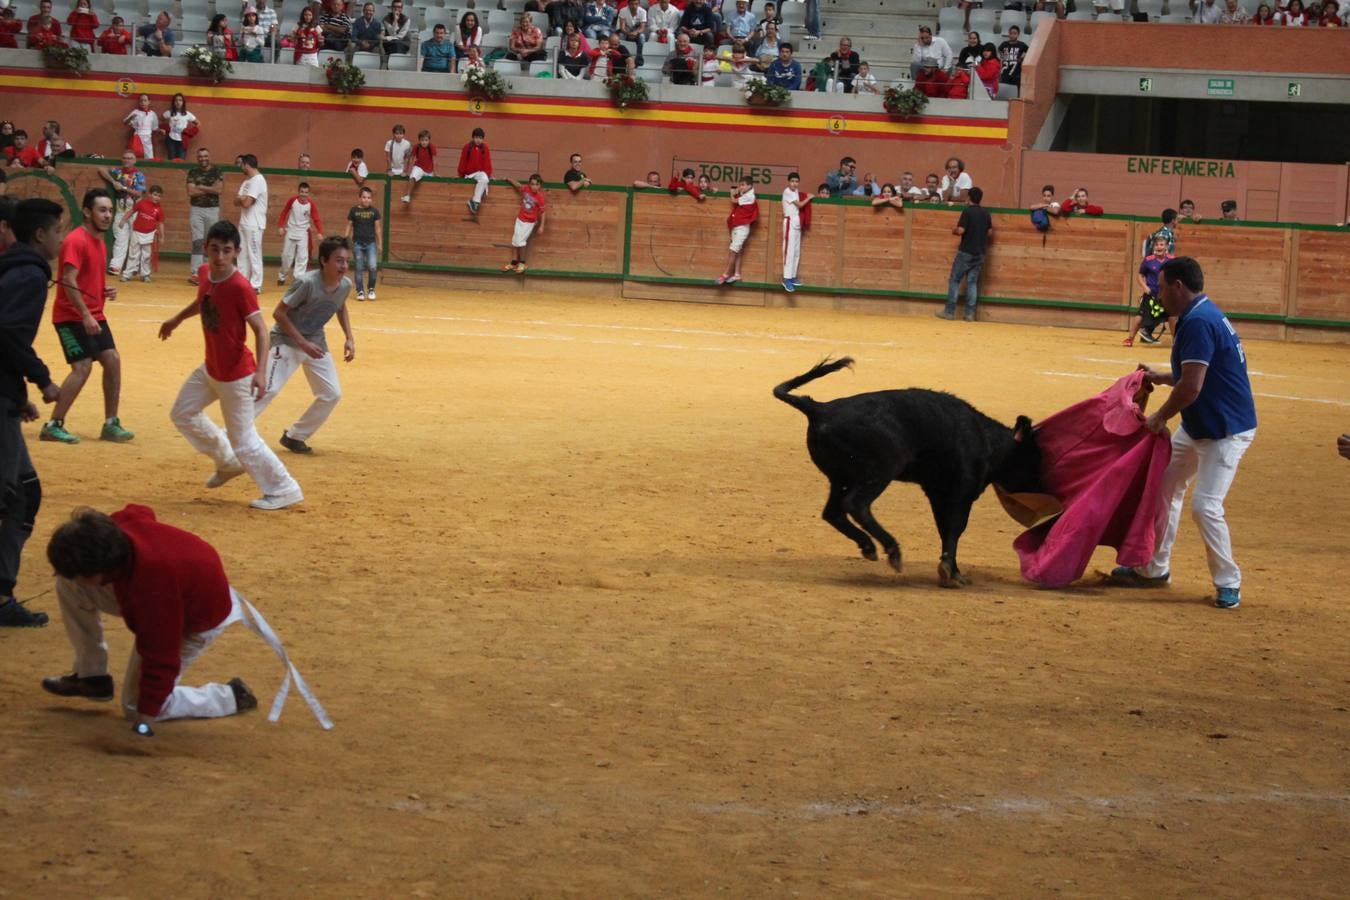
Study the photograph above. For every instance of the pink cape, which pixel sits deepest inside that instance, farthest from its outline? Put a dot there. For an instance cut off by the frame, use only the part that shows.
(1106, 469)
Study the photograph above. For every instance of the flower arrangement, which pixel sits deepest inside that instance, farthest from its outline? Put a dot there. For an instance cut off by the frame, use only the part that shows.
(908, 102)
(759, 92)
(344, 77)
(70, 59)
(205, 64)
(625, 90)
(485, 83)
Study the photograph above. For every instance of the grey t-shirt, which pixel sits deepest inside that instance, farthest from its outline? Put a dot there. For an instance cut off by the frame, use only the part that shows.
(310, 307)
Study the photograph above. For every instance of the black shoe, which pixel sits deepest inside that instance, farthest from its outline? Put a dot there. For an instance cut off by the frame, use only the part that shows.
(295, 445)
(14, 614)
(243, 697)
(1147, 337)
(95, 687)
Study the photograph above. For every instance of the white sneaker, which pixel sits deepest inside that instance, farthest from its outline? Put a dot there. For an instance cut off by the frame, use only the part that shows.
(370, 296)
(278, 501)
(360, 295)
(406, 198)
(223, 475)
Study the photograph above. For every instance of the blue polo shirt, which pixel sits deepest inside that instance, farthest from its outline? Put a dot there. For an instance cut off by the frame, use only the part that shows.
(1225, 406)
(436, 57)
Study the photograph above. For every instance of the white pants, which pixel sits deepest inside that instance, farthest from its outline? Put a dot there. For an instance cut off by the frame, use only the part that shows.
(82, 609)
(480, 189)
(1212, 465)
(792, 246)
(250, 255)
(238, 445)
(294, 255)
(121, 242)
(282, 361)
(738, 237)
(142, 252)
(520, 235)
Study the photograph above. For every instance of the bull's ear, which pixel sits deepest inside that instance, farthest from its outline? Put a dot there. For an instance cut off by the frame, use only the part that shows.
(1023, 429)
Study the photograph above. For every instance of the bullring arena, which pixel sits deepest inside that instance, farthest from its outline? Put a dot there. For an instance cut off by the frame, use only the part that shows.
(561, 581)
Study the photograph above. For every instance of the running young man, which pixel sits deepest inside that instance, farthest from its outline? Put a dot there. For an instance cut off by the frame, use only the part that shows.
(81, 325)
(793, 201)
(228, 304)
(298, 339)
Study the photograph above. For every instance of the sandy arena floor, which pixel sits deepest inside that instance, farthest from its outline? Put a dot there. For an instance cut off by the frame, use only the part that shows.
(562, 582)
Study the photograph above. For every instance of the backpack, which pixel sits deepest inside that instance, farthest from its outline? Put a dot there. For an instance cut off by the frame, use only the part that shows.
(1041, 219)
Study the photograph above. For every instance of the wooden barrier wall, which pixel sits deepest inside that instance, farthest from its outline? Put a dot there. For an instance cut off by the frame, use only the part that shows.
(1282, 281)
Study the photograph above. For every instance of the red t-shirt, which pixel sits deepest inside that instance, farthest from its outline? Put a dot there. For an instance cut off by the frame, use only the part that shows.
(531, 205)
(146, 215)
(29, 156)
(175, 586)
(115, 41)
(82, 26)
(424, 157)
(89, 255)
(474, 158)
(225, 306)
(9, 28)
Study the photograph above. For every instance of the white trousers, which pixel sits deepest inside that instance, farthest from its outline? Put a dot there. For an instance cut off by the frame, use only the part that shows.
(250, 255)
(238, 445)
(82, 609)
(1212, 465)
(121, 243)
(295, 255)
(792, 246)
(481, 188)
(282, 361)
(142, 252)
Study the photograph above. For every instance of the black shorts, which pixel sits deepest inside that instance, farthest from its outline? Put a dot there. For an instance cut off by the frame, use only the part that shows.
(78, 345)
(1151, 311)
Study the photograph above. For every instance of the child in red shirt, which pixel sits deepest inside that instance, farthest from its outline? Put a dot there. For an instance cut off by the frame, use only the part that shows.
(422, 162)
(9, 27)
(687, 183)
(475, 161)
(231, 375)
(115, 39)
(532, 202)
(83, 22)
(307, 37)
(744, 213)
(147, 227)
(22, 153)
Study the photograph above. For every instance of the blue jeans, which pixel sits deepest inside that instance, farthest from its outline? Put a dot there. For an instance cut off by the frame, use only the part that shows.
(366, 261)
(967, 267)
(813, 17)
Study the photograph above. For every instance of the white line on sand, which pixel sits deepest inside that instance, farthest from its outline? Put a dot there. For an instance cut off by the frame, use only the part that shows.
(701, 332)
(1125, 362)
(1255, 393)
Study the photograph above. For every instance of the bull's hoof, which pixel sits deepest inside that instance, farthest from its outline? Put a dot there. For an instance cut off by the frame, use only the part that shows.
(893, 557)
(869, 553)
(949, 576)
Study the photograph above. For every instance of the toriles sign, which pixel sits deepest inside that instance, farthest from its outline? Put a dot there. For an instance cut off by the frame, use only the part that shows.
(730, 173)
(1158, 165)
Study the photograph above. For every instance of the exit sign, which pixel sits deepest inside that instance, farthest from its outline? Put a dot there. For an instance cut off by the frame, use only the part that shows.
(1145, 85)
(1220, 87)
(1295, 89)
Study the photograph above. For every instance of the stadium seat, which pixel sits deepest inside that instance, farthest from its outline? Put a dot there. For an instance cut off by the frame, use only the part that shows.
(402, 62)
(326, 55)
(1082, 15)
(363, 60)
(499, 21)
(542, 67)
(1007, 91)
(794, 14)
(1154, 8)
(981, 20)
(650, 74)
(434, 15)
(1039, 17)
(951, 23)
(1178, 18)
(1010, 17)
(496, 41)
(553, 43)
(540, 21)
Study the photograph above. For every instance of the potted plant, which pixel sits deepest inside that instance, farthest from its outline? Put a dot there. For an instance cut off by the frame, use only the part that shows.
(625, 90)
(205, 64)
(904, 103)
(485, 83)
(66, 59)
(344, 77)
(759, 92)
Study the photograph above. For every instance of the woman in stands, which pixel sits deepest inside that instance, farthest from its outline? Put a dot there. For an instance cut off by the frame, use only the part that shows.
(570, 28)
(989, 68)
(252, 35)
(573, 62)
(970, 53)
(469, 34)
(1264, 16)
(220, 39)
(1294, 16)
(307, 38)
(83, 22)
(395, 30)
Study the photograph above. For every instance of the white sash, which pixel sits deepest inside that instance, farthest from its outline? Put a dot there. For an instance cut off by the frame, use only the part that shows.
(258, 625)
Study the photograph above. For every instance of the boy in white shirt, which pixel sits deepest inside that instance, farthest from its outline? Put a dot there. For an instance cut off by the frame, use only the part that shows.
(299, 218)
(793, 201)
(396, 151)
(356, 167)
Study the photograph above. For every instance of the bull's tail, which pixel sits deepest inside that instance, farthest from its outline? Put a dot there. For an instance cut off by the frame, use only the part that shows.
(808, 406)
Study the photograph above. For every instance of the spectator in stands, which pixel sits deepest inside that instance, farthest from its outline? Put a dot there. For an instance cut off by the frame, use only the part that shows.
(366, 31)
(974, 228)
(251, 38)
(611, 56)
(1011, 53)
(394, 30)
(157, 38)
(865, 82)
(573, 62)
(956, 184)
(710, 68)
(267, 18)
(437, 54)
(83, 24)
(468, 33)
(1186, 212)
(784, 71)
(51, 136)
(574, 178)
(845, 61)
(653, 182)
(1228, 208)
(1079, 205)
(705, 185)
(888, 198)
(1331, 15)
(966, 6)
(989, 69)
(1116, 8)
(1048, 201)
(57, 148)
(844, 179)
(560, 12)
(307, 39)
(739, 63)
(970, 53)
(1264, 16)
(663, 21)
(474, 60)
(699, 24)
(822, 192)
(21, 154)
(219, 38)
(929, 51)
(768, 44)
(683, 63)
(1293, 16)
(771, 14)
(1233, 14)
(43, 29)
(1206, 12)
(685, 182)
(868, 187)
(741, 25)
(9, 27)
(597, 18)
(571, 28)
(336, 26)
(115, 39)
(933, 185)
(303, 162)
(6, 130)
(908, 190)
(631, 25)
(526, 43)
